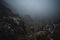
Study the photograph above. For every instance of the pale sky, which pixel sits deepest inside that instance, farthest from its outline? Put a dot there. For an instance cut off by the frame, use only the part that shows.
(34, 8)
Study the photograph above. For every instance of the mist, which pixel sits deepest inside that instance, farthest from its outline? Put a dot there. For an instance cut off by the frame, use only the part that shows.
(40, 9)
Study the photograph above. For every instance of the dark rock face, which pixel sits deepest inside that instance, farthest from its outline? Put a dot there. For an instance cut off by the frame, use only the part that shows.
(56, 34)
(9, 29)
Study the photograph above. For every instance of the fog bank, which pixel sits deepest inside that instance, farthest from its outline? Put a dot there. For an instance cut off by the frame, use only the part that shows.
(39, 9)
